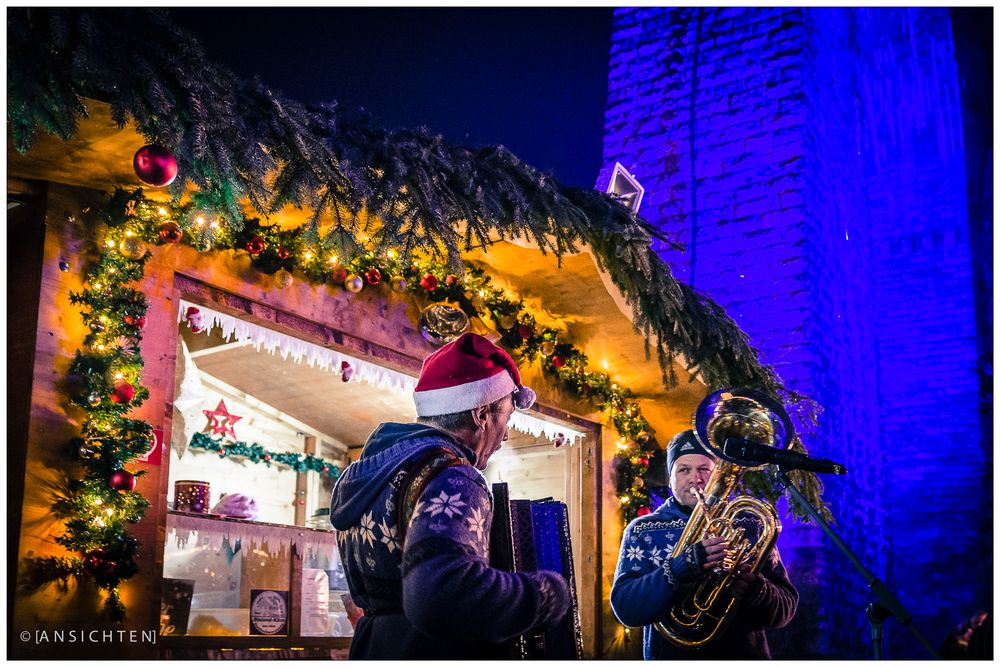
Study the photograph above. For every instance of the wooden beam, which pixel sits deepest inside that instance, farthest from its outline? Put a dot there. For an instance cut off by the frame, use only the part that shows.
(302, 484)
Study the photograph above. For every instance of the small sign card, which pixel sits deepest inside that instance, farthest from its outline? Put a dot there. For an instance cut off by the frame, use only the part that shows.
(315, 603)
(175, 606)
(268, 612)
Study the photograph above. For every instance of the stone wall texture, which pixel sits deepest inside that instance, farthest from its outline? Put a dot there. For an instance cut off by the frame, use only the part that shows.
(812, 162)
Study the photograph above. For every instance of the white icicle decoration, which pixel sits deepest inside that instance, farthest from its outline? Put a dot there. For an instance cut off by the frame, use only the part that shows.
(234, 328)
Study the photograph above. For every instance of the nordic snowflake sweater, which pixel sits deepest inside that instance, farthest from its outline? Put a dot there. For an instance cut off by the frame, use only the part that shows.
(434, 595)
(650, 574)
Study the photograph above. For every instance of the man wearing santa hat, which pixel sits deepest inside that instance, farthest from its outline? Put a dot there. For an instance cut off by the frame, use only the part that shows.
(414, 513)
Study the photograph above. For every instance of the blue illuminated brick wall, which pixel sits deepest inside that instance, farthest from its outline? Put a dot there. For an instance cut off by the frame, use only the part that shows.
(811, 162)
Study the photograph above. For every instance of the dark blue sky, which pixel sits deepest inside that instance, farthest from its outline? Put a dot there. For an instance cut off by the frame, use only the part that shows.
(534, 80)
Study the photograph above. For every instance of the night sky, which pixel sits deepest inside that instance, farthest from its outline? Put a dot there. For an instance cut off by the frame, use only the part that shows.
(533, 80)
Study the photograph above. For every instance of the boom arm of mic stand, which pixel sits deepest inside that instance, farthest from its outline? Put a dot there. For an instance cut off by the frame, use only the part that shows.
(883, 596)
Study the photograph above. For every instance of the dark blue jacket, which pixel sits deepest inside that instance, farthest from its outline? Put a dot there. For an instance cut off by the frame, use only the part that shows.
(434, 595)
(650, 575)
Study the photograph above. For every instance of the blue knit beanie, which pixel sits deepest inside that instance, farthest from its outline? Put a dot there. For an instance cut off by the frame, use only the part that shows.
(682, 444)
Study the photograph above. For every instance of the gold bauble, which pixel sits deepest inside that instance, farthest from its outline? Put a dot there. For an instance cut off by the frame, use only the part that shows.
(547, 348)
(397, 283)
(354, 283)
(507, 321)
(132, 247)
(283, 279)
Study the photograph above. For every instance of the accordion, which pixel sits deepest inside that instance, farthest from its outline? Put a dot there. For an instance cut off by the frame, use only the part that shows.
(530, 535)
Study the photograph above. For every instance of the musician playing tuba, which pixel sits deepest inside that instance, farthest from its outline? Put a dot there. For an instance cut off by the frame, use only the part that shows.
(656, 585)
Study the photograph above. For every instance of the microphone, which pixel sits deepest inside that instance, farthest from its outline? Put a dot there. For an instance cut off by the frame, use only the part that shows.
(744, 450)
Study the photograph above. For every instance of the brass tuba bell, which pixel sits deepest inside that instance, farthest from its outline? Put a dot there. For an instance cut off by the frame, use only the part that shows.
(703, 611)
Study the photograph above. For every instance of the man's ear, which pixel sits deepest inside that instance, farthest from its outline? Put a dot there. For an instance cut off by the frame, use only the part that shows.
(479, 415)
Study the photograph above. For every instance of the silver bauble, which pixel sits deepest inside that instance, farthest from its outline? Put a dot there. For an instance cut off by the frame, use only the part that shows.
(443, 322)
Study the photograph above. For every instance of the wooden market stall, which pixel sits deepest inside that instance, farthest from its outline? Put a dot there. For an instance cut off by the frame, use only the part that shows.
(292, 359)
(294, 402)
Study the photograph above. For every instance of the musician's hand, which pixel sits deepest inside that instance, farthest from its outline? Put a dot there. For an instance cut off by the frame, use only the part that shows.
(716, 549)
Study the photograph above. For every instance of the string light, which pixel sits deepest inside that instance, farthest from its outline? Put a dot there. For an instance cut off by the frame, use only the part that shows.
(334, 259)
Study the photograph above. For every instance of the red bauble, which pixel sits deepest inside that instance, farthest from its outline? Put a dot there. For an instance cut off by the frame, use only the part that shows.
(138, 322)
(524, 331)
(155, 165)
(98, 565)
(339, 275)
(282, 252)
(643, 511)
(256, 245)
(429, 282)
(450, 280)
(121, 480)
(643, 461)
(558, 361)
(373, 276)
(123, 392)
(170, 232)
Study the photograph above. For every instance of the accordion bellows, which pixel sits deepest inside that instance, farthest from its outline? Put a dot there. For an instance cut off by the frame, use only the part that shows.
(530, 535)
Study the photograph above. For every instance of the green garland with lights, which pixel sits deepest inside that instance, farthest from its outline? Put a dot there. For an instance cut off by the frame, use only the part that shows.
(106, 373)
(257, 454)
(104, 380)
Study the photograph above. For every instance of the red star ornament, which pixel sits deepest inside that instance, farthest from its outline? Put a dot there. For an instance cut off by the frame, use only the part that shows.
(221, 421)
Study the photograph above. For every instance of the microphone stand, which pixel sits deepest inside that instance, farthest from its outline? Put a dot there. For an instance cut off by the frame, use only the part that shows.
(885, 603)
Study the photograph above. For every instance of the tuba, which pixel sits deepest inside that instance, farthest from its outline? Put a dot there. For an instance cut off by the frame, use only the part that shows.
(704, 611)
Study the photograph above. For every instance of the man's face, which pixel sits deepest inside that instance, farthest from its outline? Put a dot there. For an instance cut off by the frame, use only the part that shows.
(495, 431)
(690, 470)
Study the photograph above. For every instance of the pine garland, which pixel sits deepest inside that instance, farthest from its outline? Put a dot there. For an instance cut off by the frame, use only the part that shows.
(255, 453)
(104, 380)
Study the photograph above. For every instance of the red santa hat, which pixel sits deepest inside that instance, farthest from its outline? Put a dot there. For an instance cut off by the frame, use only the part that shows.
(466, 373)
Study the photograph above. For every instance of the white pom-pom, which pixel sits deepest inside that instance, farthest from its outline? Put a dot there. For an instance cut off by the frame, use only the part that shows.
(524, 398)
